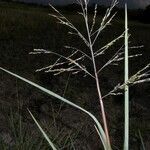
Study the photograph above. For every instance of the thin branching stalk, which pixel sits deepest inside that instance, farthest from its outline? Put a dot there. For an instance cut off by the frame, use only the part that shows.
(92, 37)
(97, 80)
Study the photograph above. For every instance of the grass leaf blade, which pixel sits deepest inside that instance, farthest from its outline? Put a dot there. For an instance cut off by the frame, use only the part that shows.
(100, 129)
(126, 78)
(43, 132)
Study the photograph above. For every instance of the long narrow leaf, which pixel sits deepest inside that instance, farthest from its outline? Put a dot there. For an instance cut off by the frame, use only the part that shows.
(99, 127)
(142, 142)
(126, 78)
(43, 132)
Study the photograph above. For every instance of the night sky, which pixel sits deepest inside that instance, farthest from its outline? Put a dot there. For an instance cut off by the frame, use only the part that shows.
(131, 3)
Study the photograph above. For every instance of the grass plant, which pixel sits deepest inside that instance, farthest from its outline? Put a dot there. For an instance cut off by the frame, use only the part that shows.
(76, 62)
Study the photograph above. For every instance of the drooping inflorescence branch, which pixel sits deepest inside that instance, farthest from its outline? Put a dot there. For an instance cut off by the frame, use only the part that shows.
(141, 76)
(64, 63)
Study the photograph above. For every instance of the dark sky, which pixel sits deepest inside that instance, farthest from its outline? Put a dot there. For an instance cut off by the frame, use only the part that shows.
(131, 3)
